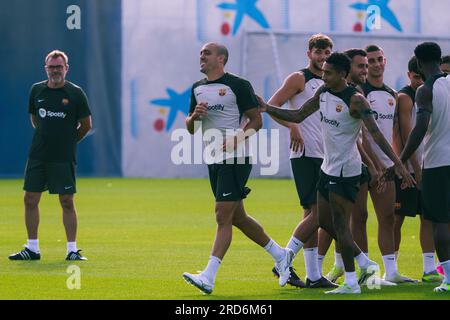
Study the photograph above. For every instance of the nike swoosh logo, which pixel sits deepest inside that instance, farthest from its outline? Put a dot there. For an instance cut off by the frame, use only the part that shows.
(226, 194)
(67, 188)
(372, 101)
(331, 182)
(41, 100)
(198, 94)
(323, 100)
(314, 88)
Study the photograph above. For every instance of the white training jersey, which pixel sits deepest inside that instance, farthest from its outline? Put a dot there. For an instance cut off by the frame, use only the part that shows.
(310, 128)
(437, 138)
(340, 133)
(419, 152)
(228, 98)
(382, 103)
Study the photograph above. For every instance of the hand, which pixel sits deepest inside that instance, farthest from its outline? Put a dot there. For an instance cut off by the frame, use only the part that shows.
(200, 111)
(376, 180)
(262, 104)
(401, 172)
(230, 144)
(297, 142)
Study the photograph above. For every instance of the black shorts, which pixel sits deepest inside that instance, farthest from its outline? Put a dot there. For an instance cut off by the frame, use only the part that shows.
(436, 194)
(228, 180)
(306, 173)
(365, 175)
(408, 201)
(346, 187)
(56, 177)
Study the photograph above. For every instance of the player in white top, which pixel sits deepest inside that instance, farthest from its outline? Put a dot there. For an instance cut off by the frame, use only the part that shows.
(409, 201)
(219, 101)
(382, 101)
(343, 110)
(306, 156)
(433, 127)
(356, 77)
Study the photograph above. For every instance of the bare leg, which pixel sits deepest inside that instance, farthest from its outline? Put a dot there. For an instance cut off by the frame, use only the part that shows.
(341, 209)
(358, 221)
(69, 216)
(441, 236)
(309, 224)
(324, 242)
(426, 235)
(384, 204)
(224, 219)
(31, 201)
(307, 228)
(398, 223)
(249, 226)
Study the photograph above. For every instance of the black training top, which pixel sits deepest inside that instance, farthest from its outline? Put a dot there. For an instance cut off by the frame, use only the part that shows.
(57, 112)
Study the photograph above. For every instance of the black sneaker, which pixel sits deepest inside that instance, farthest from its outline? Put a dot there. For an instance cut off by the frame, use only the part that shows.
(75, 256)
(321, 283)
(293, 280)
(25, 254)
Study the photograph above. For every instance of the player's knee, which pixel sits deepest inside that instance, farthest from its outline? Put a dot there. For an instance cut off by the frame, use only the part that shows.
(239, 220)
(30, 200)
(223, 217)
(67, 203)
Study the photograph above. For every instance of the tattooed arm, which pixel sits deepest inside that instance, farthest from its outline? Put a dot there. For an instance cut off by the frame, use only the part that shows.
(308, 108)
(360, 108)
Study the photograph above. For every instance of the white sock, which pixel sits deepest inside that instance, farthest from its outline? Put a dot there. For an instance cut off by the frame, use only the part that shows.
(320, 260)
(275, 250)
(295, 245)
(72, 247)
(446, 266)
(428, 262)
(362, 260)
(338, 262)
(33, 245)
(211, 269)
(350, 278)
(312, 267)
(390, 265)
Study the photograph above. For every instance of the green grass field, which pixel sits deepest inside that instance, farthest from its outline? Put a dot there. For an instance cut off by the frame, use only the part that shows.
(140, 235)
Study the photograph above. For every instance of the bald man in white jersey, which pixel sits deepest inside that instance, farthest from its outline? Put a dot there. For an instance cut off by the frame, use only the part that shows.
(433, 127)
(342, 110)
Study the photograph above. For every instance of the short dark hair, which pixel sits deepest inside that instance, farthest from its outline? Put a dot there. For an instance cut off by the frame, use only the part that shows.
(373, 48)
(413, 66)
(445, 59)
(320, 41)
(428, 52)
(340, 61)
(222, 50)
(351, 53)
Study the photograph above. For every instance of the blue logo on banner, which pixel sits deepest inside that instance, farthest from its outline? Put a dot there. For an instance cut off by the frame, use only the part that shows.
(386, 13)
(177, 102)
(243, 8)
